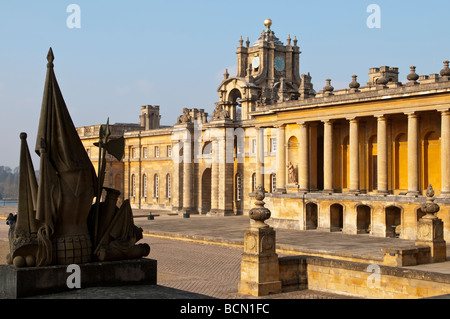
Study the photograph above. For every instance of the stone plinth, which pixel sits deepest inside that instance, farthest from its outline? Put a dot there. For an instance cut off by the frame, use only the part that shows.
(32, 281)
(260, 274)
(430, 232)
(430, 229)
(259, 265)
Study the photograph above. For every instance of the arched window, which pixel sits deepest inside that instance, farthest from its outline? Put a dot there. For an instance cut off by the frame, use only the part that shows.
(156, 186)
(238, 187)
(144, 185)
(168, 186)
(133, 185)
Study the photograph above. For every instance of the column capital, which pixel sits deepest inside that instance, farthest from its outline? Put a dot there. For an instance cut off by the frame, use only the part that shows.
(353, 119)
(444, 111)
(411, 115)
(328, 121)
(303, 123)
(282, 126)
(381, 117)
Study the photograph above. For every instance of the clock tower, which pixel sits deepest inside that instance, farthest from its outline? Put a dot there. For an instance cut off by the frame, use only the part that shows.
(267, 73)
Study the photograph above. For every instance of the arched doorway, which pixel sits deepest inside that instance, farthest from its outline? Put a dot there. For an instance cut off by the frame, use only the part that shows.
(393, 221)
(431, 163)
(336, 217)
(206, 191)
(401, 162)
(363, 223)
(345, 163)
(311, 216)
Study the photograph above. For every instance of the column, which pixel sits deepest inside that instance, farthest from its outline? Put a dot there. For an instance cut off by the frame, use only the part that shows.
(445, 153)
(281, 159)
(214, 177)
(187, 175)
(354, 156)
(259, 156)
(413, 154)
(303, 159)
(382, 167)
(225, 176)
(328, 156)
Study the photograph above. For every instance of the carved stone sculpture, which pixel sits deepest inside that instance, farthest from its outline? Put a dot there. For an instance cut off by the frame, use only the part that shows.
(220, 113)
(55, 224)
(185, 117)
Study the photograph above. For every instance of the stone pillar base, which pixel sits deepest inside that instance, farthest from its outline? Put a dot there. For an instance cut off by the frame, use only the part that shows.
(259, 289)
(260, 274)
(430, 232)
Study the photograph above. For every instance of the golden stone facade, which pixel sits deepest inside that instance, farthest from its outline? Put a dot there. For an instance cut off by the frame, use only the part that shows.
(356, 160)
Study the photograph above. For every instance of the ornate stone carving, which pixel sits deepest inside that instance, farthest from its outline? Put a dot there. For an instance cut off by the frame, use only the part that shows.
(185, 117)
(259, 213)
(220, 113)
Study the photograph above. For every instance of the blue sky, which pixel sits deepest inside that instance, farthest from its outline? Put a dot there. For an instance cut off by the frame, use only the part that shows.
(173, 53)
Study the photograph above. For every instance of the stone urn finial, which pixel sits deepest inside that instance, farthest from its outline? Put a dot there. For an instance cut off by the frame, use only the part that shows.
(259, 213)
(430, 208)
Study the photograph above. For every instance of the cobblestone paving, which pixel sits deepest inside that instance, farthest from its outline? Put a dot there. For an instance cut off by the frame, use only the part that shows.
(188, 270)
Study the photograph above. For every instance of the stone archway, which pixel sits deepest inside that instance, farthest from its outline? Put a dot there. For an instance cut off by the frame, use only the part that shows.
(311, 216)
(336, 217)
(363, 220)
(206, 191)
(393, 221)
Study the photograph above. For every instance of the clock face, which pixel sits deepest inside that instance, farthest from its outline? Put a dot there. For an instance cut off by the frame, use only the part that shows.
(279, 63)
(255, 62)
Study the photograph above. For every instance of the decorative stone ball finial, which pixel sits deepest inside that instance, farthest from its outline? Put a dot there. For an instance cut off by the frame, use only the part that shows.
(382, 80)
(354, 84)
(259, 213)
(23, 136)
(412, 77)
(430, 207)
(446, 70)
(328, 87)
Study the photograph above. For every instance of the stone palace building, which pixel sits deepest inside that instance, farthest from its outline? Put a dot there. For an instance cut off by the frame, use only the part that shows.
(356, 160)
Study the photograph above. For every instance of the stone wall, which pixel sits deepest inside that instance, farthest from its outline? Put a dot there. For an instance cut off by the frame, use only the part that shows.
(360, 279)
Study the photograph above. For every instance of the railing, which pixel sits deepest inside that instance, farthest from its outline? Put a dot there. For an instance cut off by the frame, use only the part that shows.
(8, 202)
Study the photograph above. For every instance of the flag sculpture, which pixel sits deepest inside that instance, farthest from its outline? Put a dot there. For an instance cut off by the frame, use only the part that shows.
(58, 222)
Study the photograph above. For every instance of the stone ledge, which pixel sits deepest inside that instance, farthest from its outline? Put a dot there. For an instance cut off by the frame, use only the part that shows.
(32, 281)
(385, 270)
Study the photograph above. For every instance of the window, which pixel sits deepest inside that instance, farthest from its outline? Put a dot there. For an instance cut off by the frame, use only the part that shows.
(168, 186)
(238, 187)
(273, 145)
(273, 182)
(169, 150)
(156, 186)
(145, 152)
(253, 182)
(134, 153)
(156, 151)
(144, 185)
(88, 152)
(253, 150)
(133, 185)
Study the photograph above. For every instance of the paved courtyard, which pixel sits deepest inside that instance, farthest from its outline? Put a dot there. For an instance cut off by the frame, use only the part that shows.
(199, 257)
